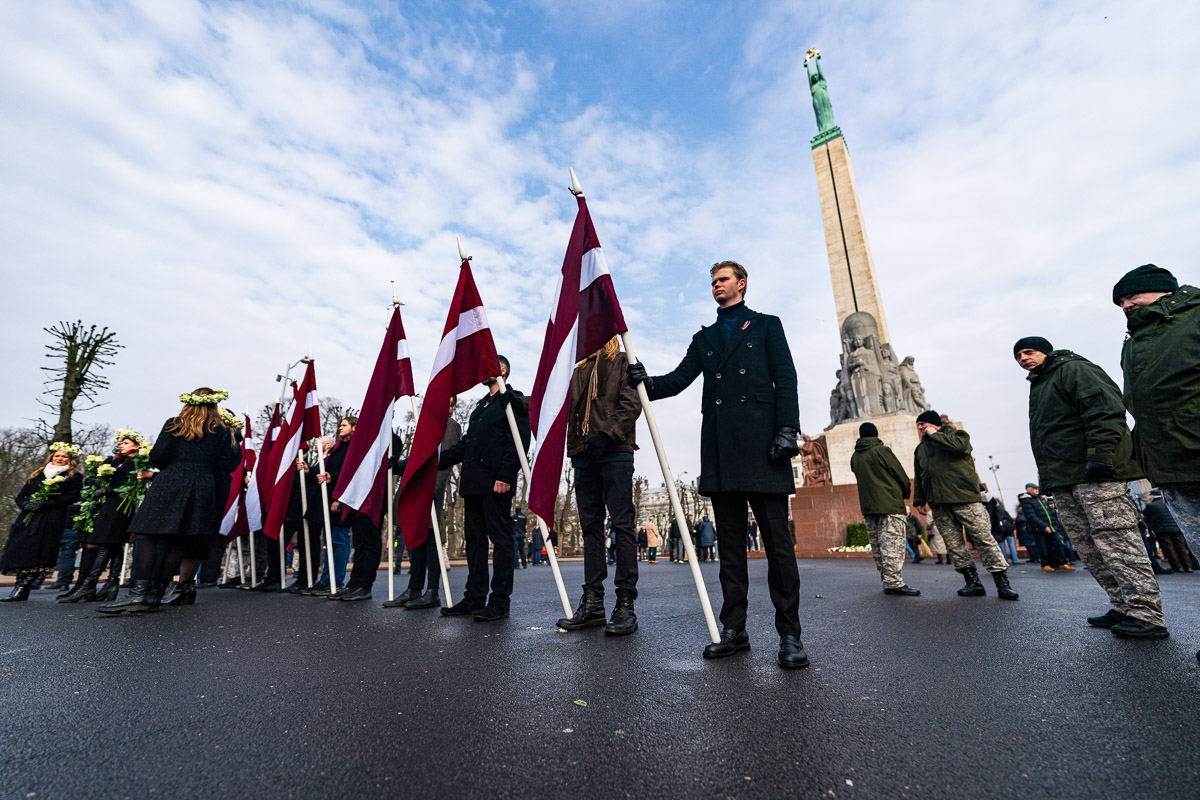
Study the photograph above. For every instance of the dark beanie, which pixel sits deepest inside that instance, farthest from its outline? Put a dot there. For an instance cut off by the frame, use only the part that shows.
(1033, 343)
(868, 429)
(1146, 278)
(930, 416)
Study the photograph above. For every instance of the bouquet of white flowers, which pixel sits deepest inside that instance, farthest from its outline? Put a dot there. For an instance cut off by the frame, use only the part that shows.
(134, 490)
(92, 495)
(48, 489)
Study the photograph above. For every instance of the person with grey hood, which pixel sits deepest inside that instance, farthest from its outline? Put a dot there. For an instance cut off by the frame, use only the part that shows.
(883, 486)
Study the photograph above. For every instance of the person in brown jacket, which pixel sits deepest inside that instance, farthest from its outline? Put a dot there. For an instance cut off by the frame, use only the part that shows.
(600, 441)
(652, 542)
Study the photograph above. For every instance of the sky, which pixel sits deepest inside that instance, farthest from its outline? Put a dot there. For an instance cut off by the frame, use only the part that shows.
(228, 185)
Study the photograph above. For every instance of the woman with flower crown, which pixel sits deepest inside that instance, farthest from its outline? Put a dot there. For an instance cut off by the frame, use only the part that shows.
(32, 547)
(104, 546)
(182, 508)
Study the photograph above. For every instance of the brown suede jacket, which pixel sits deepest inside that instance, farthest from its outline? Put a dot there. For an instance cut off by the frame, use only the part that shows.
(602, 401)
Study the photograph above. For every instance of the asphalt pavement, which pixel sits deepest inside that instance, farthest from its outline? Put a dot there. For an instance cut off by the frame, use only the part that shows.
(280, 696)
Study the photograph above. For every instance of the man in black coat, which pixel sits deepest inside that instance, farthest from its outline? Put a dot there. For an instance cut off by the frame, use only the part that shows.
(751, 421)
(489, 477)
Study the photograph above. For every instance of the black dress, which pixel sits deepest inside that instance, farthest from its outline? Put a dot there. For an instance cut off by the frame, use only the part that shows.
(35, 546)
(111, 527)
(185, 498)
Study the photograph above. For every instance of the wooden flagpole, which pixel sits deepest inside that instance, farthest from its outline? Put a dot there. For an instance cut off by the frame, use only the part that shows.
(304, 517)
(437, 532)
(328, 527)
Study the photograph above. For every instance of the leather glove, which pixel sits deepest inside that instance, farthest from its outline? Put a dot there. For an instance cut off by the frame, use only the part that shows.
(1099, 472)
(784, 447)
(504, 398)
(33, 505)
(636, 373)
(594, 448)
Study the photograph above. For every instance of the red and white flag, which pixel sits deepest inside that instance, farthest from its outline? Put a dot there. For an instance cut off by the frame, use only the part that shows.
(585, 316)
(362, 484)
(236, 520)
(465, 358)
(261, 475)
(305, 424)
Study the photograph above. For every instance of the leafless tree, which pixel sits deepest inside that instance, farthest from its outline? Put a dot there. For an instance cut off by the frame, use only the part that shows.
(79, 355)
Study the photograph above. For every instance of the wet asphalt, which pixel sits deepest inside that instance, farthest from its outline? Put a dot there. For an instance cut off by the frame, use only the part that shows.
(279, 696)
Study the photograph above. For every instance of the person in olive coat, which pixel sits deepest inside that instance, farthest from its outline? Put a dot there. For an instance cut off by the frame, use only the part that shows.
(194, 453)
(883, 486)
(1084, 455)
(32, 547)
(945, 479)
(748, 436)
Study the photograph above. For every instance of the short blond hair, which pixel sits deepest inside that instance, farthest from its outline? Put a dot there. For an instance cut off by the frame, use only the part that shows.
(739, 272)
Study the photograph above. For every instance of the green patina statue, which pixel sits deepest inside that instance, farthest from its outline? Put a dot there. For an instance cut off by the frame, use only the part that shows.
(820, 97)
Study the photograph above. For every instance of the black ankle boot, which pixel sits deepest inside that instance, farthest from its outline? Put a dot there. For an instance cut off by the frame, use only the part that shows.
(181, 594)
(973, 587)
(428, 600)
(20, 590)
(401, 599)
(86, 562)
(589, 614)
(624, 621)
(136, 602)
(1003, 587)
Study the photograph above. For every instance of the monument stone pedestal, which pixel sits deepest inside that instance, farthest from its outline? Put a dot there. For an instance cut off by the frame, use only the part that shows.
(898, 431)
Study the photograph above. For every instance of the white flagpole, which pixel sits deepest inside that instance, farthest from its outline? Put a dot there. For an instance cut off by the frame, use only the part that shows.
(391, 528)
(328, 525)
(512, 424)
(304, 515)
(125, 566)
(673, 493)
(241, 566)
(224, 567)
(437, 533)
(287, 375)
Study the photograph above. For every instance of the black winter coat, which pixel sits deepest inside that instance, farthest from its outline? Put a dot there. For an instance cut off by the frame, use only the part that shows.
(35, 546)
(1038, 514)
(749, 394)
(1158, 517)
(112, 525)
(486, 450)
(184, 498)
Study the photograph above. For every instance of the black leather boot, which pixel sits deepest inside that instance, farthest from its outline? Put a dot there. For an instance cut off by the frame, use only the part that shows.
(86, 560)
(112, 586)
(973, 587)
(791, 653)
(20, 589)
(906, 591)
(1003, 587)
(624, 621)
(589, 614)
(136, 602)
(428, 600)
(731, 642)
(401, 599)
(181, 594)
(85, 590)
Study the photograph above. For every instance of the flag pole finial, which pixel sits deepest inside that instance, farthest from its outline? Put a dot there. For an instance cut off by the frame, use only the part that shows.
(395, 300)
(576, 189)
(462, 254)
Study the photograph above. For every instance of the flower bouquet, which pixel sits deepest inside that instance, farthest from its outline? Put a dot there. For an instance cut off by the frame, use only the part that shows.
(134, 490)
(48, 489)
(92, 495)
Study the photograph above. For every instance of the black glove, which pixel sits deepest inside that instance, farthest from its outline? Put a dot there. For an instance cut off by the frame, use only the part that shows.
(505, 397)
(33, 505)
(784, 446)
(1099, 472)
(636, 373)
(594, 448)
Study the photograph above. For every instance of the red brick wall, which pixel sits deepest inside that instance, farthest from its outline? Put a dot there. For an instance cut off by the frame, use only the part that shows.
(821, 514)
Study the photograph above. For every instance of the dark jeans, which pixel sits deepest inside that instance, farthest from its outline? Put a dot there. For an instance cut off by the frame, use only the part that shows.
(597, 488)
(368, 551)
(519, 548)
(489, 517)
(783, 577)
(67, 548)
(1050, 549)
(423, 562)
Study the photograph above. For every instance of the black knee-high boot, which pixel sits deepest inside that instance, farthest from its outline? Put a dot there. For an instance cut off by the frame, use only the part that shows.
(116, 561)
(90, 568)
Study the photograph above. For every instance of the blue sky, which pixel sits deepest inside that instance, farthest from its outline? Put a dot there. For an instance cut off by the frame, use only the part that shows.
(229, 184)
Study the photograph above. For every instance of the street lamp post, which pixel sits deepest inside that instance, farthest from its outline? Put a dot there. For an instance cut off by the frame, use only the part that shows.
(996, 478)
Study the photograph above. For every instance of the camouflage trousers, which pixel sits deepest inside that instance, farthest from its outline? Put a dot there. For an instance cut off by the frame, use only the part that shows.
(886, 533)
(1102, 522)
(1183, 499)
(955, 518)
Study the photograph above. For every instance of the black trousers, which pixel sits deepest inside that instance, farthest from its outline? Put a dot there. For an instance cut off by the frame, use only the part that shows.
(424, 570)
(600, 487)
(1050, 550)
(1174, 550)
(487, 517)
(368, 551)
(783, 577)
(210, 570)
(294, 529)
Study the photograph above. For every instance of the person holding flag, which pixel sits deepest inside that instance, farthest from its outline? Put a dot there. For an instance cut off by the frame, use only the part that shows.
(601, 441)
(751, 422)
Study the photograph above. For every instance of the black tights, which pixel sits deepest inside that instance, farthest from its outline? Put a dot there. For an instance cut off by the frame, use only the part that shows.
(157, 558)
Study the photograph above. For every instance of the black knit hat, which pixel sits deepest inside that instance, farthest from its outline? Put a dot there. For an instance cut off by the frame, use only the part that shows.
(930, 416)
(1033, 343)
(1146, 278)
(868, 429)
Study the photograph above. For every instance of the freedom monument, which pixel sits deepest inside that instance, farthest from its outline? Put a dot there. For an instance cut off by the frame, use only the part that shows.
(872, 385)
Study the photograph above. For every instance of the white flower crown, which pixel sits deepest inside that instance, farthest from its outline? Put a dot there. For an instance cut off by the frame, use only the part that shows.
(190, 399)
(123, 433)
(72, 450)
(230, 419)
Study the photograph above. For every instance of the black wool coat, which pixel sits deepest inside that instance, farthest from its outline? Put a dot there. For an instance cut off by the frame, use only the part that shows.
(185, 497)
(35, 546)
(486, 450)
(749, 394)
(112, 525)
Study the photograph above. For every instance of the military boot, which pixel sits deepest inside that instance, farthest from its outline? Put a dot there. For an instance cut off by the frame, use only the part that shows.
(1003, 587)
(623, 621)
(589, 614)
(973, 587)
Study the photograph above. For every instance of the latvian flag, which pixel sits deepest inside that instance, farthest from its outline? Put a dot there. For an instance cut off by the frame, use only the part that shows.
(585, 316)
(264, 465)
(465, 358)
(243, 499)
(362, 484)
(304, 424)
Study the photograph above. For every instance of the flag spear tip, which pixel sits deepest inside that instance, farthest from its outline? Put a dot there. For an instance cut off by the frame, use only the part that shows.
(395, 300)
(576, 189)
(462, 254)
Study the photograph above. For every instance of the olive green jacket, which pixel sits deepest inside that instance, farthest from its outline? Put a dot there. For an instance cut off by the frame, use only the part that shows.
(882, 483)
(1076, 416)
(1161, 363)
(945, 470)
